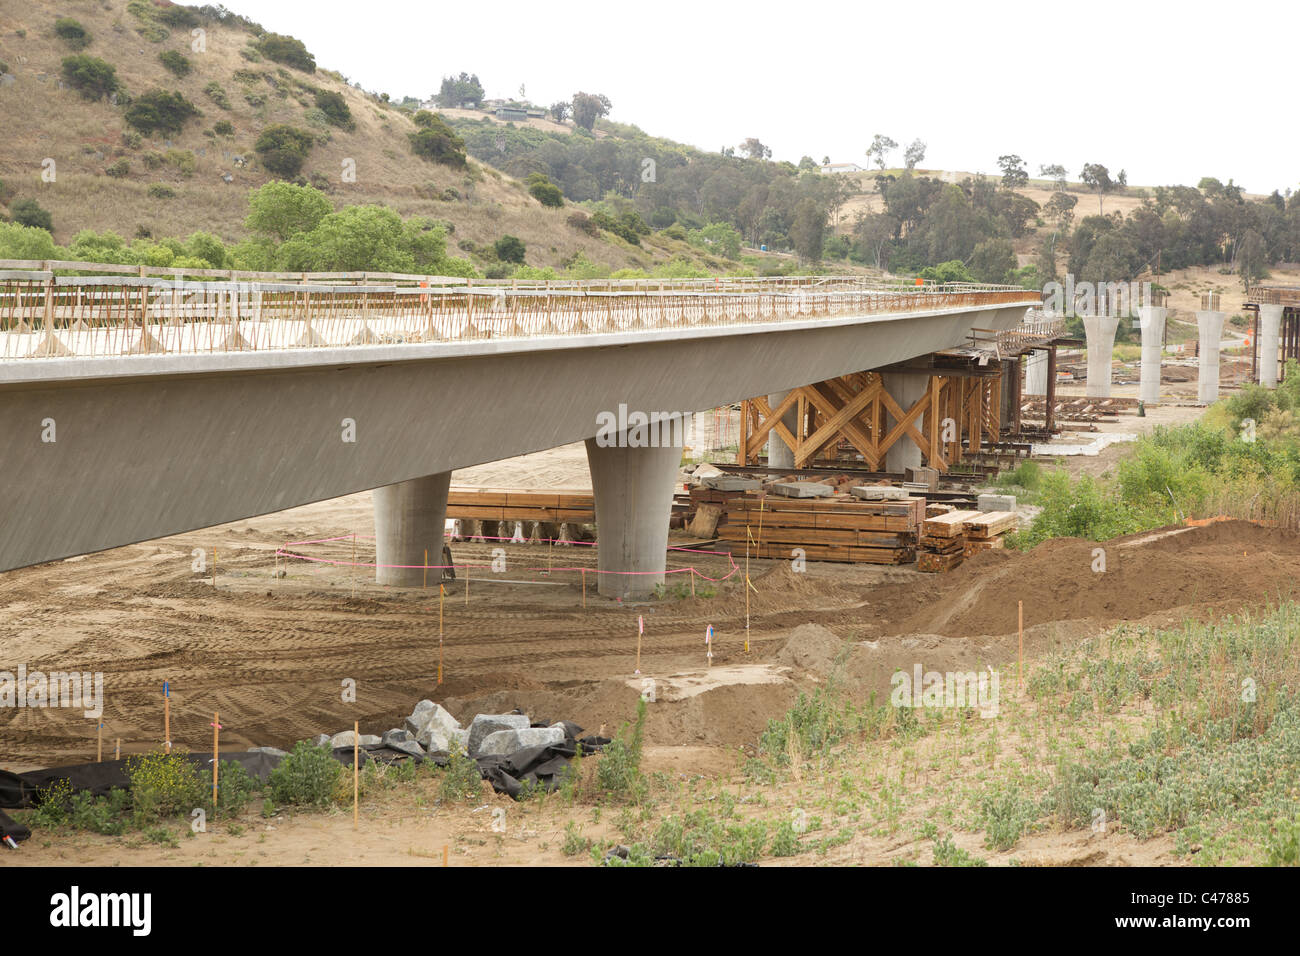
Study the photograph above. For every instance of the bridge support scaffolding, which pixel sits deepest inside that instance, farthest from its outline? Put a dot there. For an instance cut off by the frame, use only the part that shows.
(633, 490)
(410, 518)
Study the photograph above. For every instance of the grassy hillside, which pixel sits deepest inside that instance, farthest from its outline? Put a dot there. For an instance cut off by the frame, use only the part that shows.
(104, 172)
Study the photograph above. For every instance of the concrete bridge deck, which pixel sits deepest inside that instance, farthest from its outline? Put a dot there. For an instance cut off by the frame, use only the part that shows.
(234, 413)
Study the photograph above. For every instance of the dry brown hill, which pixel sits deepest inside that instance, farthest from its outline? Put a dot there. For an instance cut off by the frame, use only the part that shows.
(42, 120)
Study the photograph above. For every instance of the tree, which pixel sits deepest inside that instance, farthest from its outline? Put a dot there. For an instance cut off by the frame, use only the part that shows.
(90, 76)
(913, 155)
(437, 142)
(754, 149)
(160, 112)
(1252, 259)
(354, 239)
(283, 149)
(560, 111)
(1014, 175)
(509, 249)
(459, 91)
(881, 146)
(1097, 178)
(1061, 208)
(993, 260)
(589, 107)
(281, 210)
(28, 212)
(1055, 172)
(808, 231)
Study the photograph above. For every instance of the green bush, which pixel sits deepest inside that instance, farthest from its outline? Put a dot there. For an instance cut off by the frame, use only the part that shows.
(72, 33)
(164, 784)
(177, 63)
(235, 788)
(217, 95)
(183, 160)
(90, 76)
(284, 149)
(461, 780)
(545, 191)
(223, 128)
(509, 249)
(335, 108)
(119, 169)
(287, 50)
(28, 212)
(308, 776)
(618, 772)
(161, 191)
(159, 111)
(437, 142)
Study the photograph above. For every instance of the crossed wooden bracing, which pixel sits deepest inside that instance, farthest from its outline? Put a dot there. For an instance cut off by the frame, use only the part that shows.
(854, 413)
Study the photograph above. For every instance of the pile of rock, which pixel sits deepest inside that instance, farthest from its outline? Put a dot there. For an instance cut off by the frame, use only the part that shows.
(432, 729)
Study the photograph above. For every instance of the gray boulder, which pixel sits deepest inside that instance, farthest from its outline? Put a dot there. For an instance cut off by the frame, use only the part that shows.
(508, 741)
(321, 740)
(344, 739)
(485, 724)
(271, 751)
(403, 741)
(428, 715)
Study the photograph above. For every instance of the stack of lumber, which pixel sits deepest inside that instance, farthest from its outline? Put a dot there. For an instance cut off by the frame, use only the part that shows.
(985, 532)
(826, 529)
(942, 544)
(507, 504)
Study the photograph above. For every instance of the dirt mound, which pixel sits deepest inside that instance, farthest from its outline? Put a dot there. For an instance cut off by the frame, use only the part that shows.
(811, 648)
(1219, 566)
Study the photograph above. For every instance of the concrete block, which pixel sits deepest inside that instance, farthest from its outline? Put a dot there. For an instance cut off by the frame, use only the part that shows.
(506, 742)
(403, 741)
(732, 483)
(995, 503)
(879, 493)
(484, 724)
(802, 489)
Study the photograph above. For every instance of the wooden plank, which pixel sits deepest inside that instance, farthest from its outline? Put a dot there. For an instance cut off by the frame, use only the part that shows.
(938, 562)
(949, 525)
(992, 523)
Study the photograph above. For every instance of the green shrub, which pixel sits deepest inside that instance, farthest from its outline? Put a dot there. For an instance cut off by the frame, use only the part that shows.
(335, 108)
(119, 169)
(287, 50)
(461, 780)
(308, 776)
(160, 112)
(175, 15)
(72, 33)
(132, 139)
(28, 212)
(161, 191)
(177, 63)
(583, 223)
(509, 249)
(223, 128)
(283, 149)
(217, 95)
(235, 788)
(163, 785)
(437, 142)
(90, 76)
(183, 160)
(618, 771)
(545, 191)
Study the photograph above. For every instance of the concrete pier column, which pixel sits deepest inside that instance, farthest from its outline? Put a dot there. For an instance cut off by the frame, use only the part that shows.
(1210, 325)
(410, 516)
(906, 390)
(779, 454)
(1036, 372)
(1152, 321)
(633, 490)
(1270, 324)
(1100, 333)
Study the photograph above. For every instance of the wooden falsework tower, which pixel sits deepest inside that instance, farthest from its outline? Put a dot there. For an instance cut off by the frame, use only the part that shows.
(959, 411)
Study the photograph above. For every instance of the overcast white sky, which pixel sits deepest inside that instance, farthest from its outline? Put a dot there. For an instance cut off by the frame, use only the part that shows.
(1166, 91)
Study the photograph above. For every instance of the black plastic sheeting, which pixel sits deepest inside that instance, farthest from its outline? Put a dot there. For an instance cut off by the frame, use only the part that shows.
(535, 766)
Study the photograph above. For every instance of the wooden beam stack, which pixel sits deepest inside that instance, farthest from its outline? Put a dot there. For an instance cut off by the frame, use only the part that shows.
(494, 504)
(825, 529)
(985, 532)
(942, 544)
